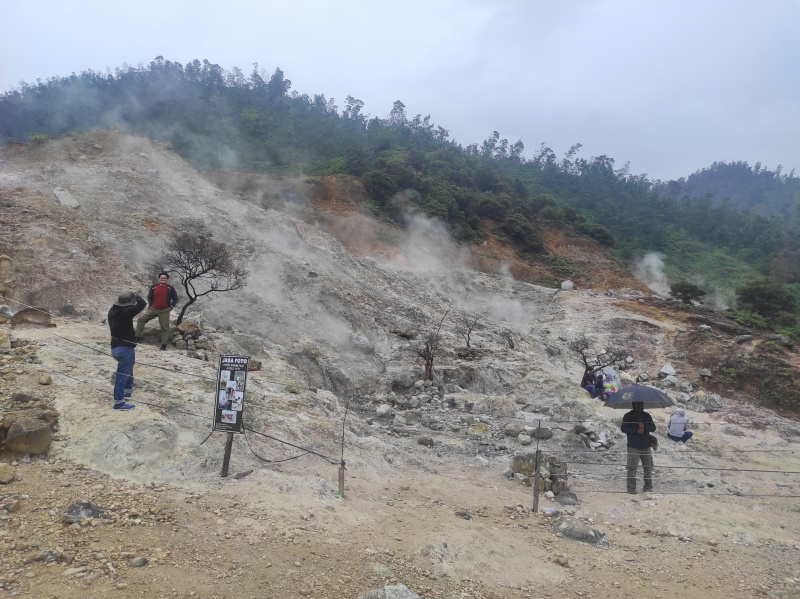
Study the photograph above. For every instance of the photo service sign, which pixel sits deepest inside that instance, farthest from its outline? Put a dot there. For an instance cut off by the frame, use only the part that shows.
(229, 398)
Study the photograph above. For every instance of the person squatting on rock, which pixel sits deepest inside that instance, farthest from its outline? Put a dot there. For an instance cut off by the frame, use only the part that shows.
(609, 386)
(637, 425)
(677, 427)
(123, 344)
(587, 382)
(162, 297)
(598, 385)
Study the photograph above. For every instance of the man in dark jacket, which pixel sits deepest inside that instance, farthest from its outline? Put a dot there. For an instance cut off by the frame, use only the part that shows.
(123, 343)
(587, 382)
(162, 297)
(638, 425)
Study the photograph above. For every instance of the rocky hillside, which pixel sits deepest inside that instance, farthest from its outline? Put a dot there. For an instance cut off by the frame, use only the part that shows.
(336, 307)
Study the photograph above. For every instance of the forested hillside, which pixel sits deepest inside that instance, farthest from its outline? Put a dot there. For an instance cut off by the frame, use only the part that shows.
(722, 227)
(772, 193)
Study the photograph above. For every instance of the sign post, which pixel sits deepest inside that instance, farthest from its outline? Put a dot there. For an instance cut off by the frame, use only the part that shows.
(229, 401)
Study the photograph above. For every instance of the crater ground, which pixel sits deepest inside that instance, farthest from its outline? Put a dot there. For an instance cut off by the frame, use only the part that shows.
(333, 294)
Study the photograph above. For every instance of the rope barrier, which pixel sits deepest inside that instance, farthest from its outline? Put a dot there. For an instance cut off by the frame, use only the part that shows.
(147, 364)
(333, 461)
(172, 371)
(162, 407)
(697, 468)
(780, 496)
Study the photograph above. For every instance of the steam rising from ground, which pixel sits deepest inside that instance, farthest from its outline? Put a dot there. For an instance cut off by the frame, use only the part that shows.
(429, 247)
(650, 271)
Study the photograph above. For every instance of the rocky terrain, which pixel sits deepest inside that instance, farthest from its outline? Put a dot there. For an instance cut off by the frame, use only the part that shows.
(437, 495)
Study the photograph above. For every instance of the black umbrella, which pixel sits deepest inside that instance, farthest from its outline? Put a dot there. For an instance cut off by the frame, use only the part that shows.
(649, 396)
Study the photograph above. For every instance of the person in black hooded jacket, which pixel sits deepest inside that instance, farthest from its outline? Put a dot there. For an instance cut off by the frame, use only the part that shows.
(637, 425)
(123, 344)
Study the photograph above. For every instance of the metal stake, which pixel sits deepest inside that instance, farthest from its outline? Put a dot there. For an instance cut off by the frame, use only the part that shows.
(227, 459)
(537, 476)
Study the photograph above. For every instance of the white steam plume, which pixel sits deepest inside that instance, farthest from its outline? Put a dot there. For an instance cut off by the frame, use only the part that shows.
(650, 271)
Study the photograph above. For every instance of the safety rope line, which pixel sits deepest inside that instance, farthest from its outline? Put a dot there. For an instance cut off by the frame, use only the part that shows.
(332, 461)
(311, 451)
(147, 364)
(696, 468)
(176, 370)
(173, 371)
(163, 407)
(247, 440)
(780, 496)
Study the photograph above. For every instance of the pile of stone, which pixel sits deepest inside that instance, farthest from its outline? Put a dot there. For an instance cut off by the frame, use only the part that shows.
(526, 434)
(190, 337)
(593, 439)
(552, 471)
(686, 393)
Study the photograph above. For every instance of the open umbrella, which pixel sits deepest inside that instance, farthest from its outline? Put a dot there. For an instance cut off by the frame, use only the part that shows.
(649, 396)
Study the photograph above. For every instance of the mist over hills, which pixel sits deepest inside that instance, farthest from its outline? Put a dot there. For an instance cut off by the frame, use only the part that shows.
(720, 227)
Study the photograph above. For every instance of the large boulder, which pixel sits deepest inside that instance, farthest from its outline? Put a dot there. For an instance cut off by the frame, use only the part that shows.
(580, 531)
(65, 198)
(666, 370)
(29, 436)
(781, 340)
(711, 402)
(542, 432)
(35, 316)
(361, 343)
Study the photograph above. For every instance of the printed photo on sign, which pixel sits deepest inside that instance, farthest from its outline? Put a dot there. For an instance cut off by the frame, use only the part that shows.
(224, 377)
(229, 417)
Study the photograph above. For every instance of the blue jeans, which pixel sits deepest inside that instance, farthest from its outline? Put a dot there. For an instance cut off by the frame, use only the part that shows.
(590, 389)
(123, 384)
(682, 439)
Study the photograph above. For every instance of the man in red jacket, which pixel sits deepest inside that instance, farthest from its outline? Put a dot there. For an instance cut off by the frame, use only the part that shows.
(161, 298)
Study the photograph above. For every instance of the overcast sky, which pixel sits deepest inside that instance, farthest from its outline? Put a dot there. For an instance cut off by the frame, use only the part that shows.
(670, 86)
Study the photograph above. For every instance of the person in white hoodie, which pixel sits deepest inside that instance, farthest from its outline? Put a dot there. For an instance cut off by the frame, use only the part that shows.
(677, 427)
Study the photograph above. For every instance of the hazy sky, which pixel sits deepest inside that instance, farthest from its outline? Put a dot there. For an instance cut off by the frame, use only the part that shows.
(670, 86)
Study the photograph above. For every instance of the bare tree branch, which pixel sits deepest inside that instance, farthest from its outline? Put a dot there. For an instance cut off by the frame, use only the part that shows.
(384, 360)
(508, 335)
(465, 324)
(203, 265)
(593, 358)
(430, 348)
